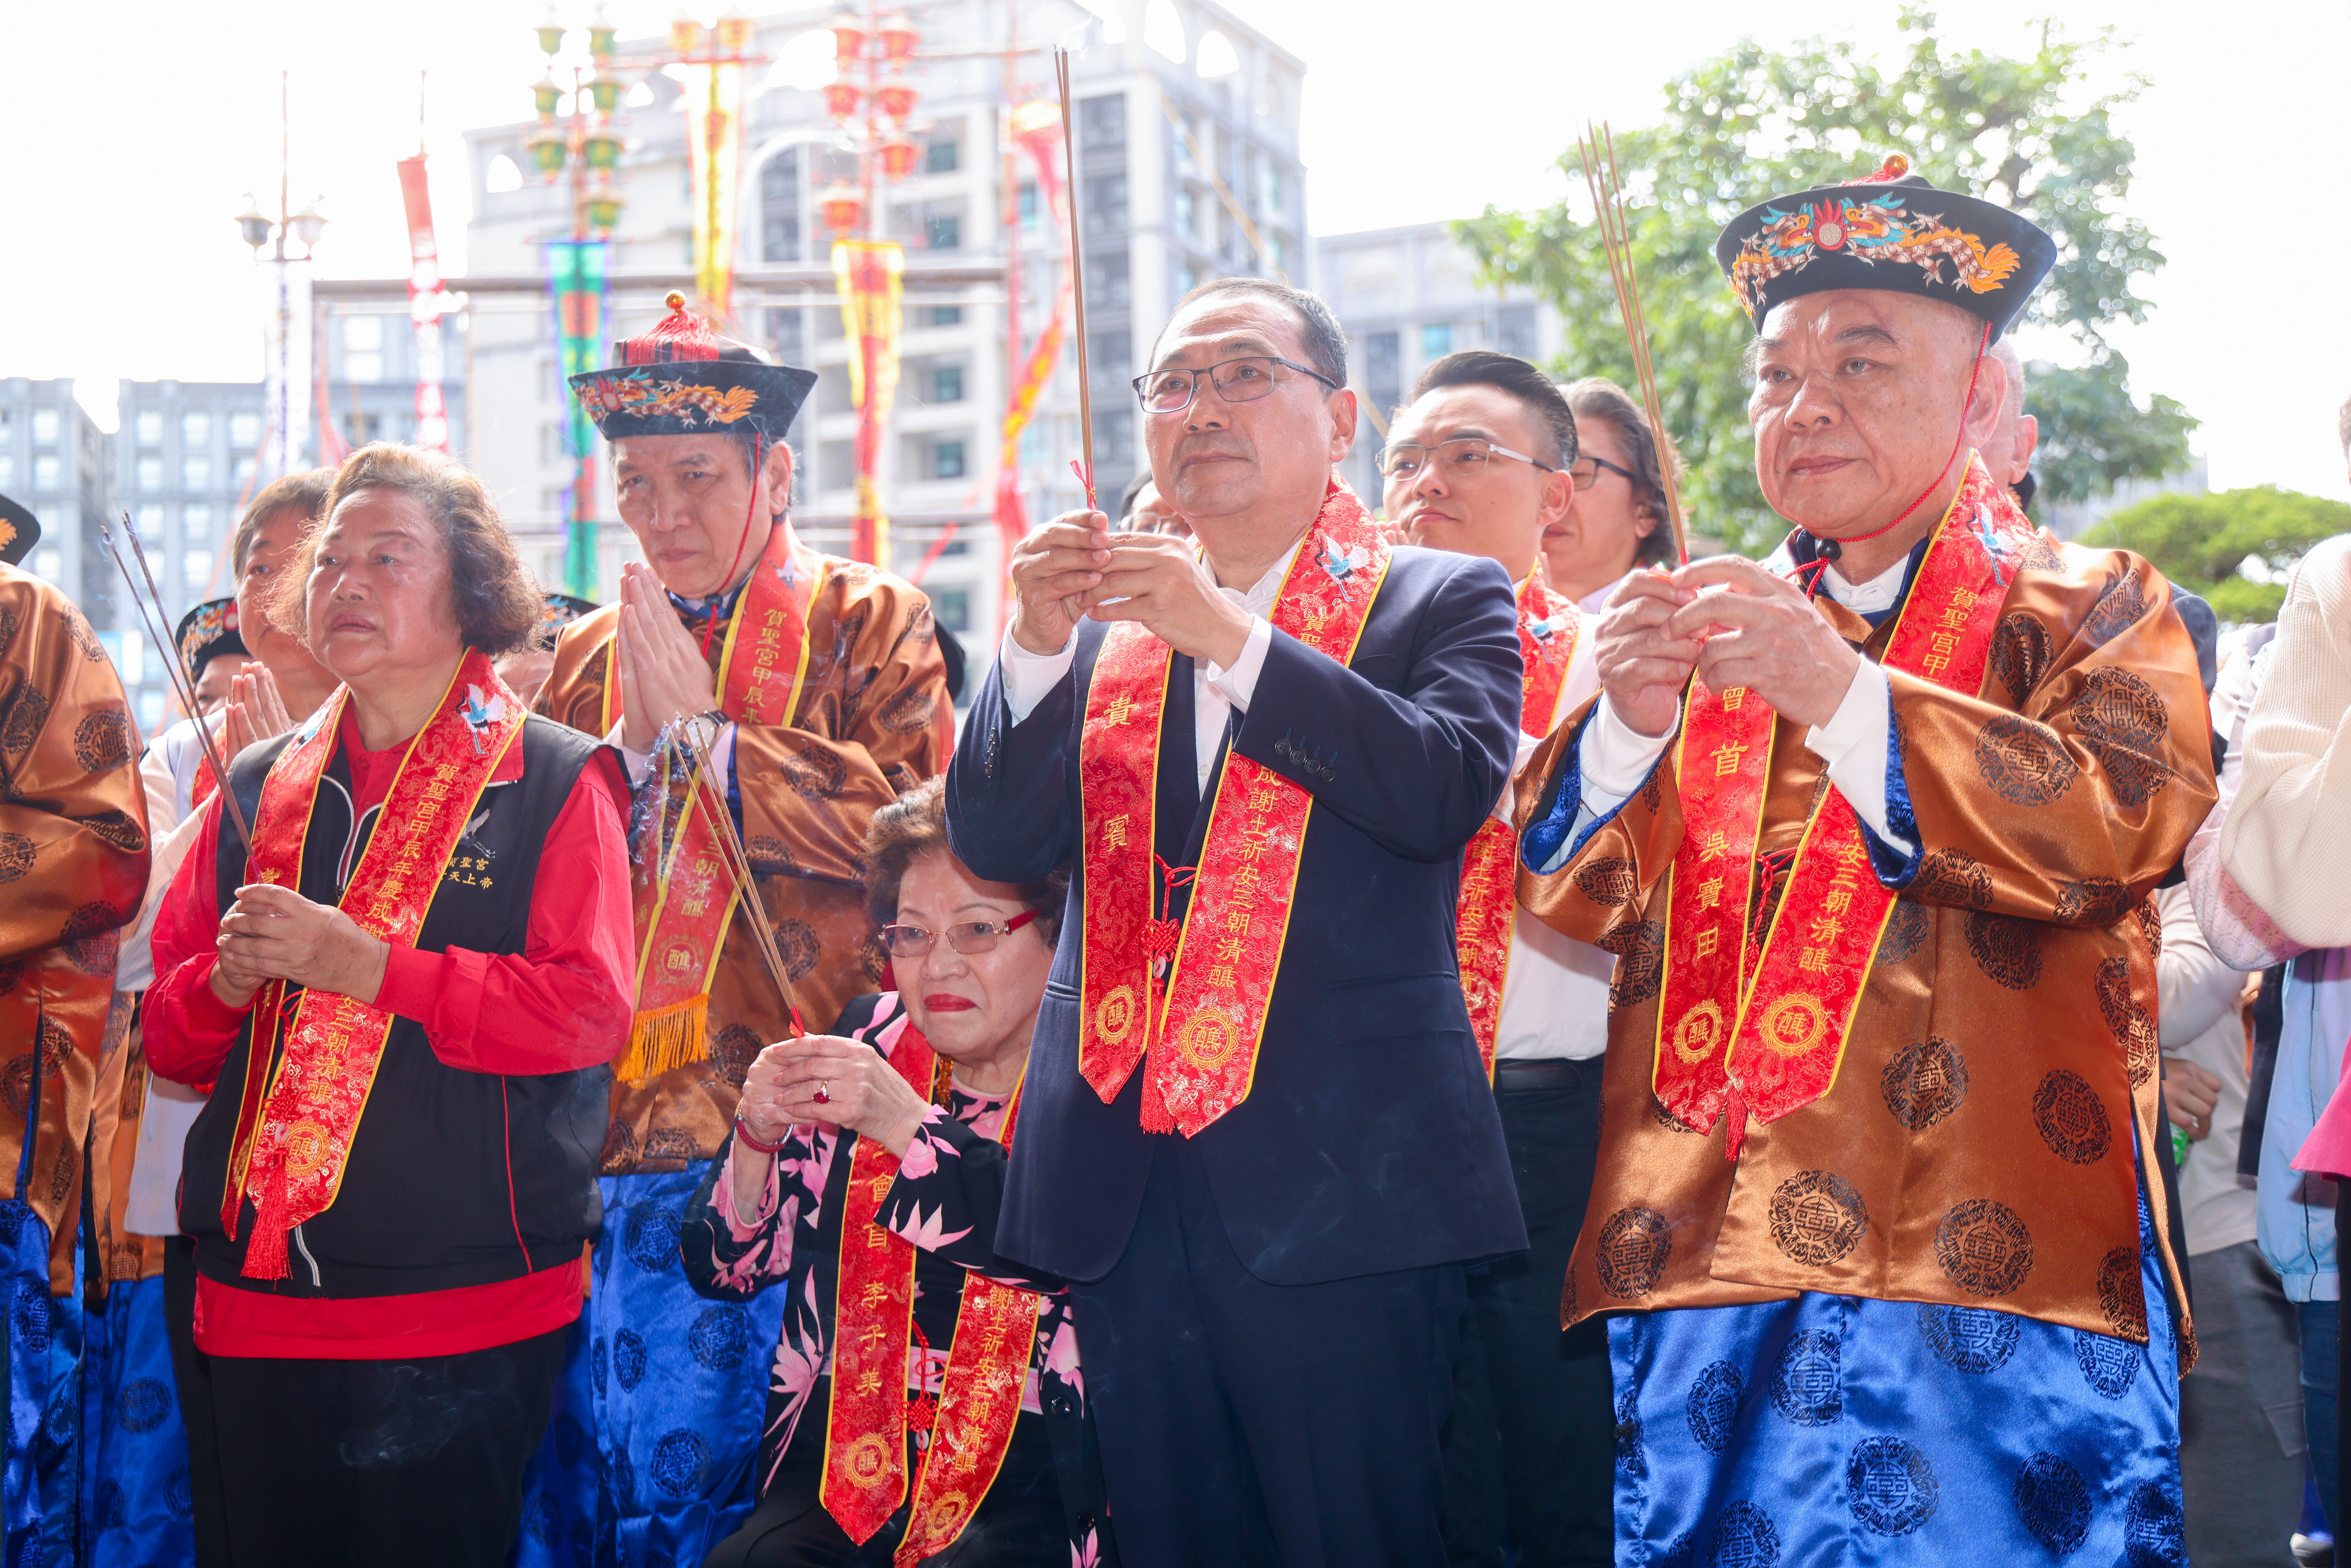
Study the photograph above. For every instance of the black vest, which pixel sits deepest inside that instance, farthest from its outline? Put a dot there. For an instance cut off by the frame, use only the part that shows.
(455, 1178)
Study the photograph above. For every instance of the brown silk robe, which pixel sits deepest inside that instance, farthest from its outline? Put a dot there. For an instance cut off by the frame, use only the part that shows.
(1975, 1148)
(873, 719)
(73, 867)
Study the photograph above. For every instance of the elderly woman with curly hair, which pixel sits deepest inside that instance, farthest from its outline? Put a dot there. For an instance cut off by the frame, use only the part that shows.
(926, 1404)
(403, 992)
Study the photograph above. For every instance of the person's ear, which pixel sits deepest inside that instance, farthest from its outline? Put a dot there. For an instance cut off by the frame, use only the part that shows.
(776, 479)
(1342, 405)
(1558, 498)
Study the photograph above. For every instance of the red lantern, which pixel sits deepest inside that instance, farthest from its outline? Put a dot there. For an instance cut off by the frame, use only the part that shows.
(898, 39)
(848, 41)
(898, 155)
(685, 35)
(895, 99)
(841, 99)
(841, 207)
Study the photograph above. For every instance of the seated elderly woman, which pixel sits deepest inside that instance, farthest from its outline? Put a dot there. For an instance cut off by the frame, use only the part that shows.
(926, 1404)
(407, 1008)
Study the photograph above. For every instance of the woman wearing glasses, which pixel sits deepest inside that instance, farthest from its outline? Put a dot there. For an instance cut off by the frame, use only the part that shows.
(921, 1384)
(1617, 525)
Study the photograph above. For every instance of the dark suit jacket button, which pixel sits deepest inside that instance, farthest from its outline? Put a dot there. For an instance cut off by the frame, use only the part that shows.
(1085, 1520)
(1061, 1404)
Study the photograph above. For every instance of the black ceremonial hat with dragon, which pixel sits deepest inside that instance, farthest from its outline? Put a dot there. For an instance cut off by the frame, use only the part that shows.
(683, 379)
(1888, 230)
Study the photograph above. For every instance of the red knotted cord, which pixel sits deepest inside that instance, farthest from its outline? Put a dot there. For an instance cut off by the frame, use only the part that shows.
(749, 512)
(1832, 549)
(1164, 934)
(1086, 477)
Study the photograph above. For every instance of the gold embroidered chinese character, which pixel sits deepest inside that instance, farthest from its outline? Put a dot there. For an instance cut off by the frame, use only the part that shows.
(1709, 894)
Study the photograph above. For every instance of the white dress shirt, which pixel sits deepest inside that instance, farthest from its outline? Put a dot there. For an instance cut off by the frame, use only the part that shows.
(1555, 993)
(1615, 758)
(1216, 692)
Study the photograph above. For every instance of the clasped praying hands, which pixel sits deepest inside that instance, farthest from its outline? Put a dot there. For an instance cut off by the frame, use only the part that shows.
(1730, 621)
(664, 676)
(273, 933)
(1075, 569)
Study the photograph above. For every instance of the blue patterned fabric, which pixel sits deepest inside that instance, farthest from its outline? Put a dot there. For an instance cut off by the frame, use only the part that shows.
(38, 1489)
(657, 1417)
(1838, 1430)
(135, 1507)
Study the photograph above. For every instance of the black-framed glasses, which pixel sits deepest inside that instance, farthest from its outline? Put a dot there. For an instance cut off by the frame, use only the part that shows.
(1244, 380)
(971, 937)
(1585, 479)
(1457, 457)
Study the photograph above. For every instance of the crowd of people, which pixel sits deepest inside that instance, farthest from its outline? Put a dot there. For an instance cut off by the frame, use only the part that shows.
(1418, 1029)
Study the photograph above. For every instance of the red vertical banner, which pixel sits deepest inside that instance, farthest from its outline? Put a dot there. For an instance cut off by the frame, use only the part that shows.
(425, 306)
(1037, 130)
(869, 274)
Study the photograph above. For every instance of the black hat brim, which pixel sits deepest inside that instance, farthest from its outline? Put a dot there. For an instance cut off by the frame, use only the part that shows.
(1904, 237)
(23, 530)
(694, 397)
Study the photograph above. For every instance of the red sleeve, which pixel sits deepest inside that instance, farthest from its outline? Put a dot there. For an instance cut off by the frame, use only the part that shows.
(565, 1001)
(188, 1032)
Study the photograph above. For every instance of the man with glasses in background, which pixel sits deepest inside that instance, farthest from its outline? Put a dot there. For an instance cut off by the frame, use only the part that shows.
(1484, 460)
(1254, 1136)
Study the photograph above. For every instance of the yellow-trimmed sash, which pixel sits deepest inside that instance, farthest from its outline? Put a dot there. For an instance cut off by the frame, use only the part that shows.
(1547, 628)
(682, 896)
(1202, 1036)
(1761, 1027)
(294, 1137)
(864, 1477)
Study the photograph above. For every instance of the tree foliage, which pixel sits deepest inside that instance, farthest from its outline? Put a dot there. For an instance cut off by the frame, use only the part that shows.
(2207, 544)
(1752, 124)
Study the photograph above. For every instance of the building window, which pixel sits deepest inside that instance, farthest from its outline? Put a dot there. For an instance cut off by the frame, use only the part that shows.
(49, 564)
(44, 426)
(195, 524)
(947, 460)
(1102, 122)
(245, 430)
(44, 472)
(952, 608)
(1106, 205)
(150, 522)
(196, 429)
(195, 473)
(149, 426)
(196, 571)
(1113, 350)
(241, 480)
(1187, 213)
(946, 384)
(946, 316)
(1273, 185)
(151, 710)
(944, 153)
(943, 230)
(364, 348)
(1514, 330)
(779, 207)
(1436, 339)
(8, 471)
(1029, 208)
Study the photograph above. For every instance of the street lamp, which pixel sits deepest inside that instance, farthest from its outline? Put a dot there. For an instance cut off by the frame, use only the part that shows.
(285, 357)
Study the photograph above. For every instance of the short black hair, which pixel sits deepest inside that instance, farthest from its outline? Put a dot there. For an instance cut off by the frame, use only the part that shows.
(1323, 339)
(1511, 375)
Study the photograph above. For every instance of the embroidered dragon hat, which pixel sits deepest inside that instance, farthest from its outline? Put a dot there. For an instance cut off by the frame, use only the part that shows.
(19, 531)
(1887, 230)
(207, 631)
(681, 378)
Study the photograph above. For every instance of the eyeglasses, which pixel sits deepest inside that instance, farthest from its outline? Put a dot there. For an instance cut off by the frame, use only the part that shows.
(1585, 481)
(1238, 381)
(970, 939)
(1460, 458)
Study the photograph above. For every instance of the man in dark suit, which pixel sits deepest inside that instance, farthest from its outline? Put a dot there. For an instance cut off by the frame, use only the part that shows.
(1264, 1196)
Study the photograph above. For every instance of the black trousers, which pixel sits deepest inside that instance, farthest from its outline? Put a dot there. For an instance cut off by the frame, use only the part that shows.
(1018, 1523)
(1245, 1425)
(379, 1462)
(191, 1371)
(1530, 1453)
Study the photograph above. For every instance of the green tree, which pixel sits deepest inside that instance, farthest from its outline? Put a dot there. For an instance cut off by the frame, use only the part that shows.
(2208, 544)
(1751, 125)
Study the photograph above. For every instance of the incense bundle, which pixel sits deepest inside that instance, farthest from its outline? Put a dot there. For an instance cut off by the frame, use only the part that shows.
(1077, 277)
(181, 688)
(1608, 211)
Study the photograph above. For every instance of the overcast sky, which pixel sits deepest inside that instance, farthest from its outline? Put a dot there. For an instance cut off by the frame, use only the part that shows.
(126, 169)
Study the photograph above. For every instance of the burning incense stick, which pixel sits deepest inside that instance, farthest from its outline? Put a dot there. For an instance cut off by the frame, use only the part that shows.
(1077, 277)
(1597, 149)
(174, 673)
(739, 869)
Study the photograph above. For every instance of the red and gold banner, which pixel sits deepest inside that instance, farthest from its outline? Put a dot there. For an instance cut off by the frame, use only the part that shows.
(1548, 629)
(1037, 130)
(425, 306)
(1762, 1027)
(293, 1140)
(713, 102)
(1202, 1038)
(874, 1313)
(868, 273)
(684, 896)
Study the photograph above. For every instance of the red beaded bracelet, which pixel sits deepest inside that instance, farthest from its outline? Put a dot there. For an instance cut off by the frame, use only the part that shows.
(743, 1135)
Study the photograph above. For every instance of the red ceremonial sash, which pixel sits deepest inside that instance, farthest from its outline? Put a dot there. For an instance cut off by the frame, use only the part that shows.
(294, 1135)
(682, 894)
(1761, 1027)
(1201, 1038)
(864, 1476)
(1547, 627)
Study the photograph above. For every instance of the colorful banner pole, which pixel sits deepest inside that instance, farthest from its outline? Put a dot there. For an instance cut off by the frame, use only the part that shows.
(714, 139)
(868, 273)
(578, 281)
(424, 306)
(1037, 130)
